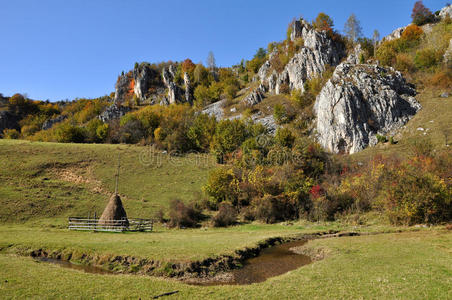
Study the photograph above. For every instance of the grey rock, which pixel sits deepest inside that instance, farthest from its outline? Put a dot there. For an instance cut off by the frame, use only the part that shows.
(121, 88)
(144, 77)
(49, 123)
(113, 112)
(255, 96)
(360, 101)
(268, 122)
(215, 110)
(187, 88)
(396, 34)
(174, 92)
(445, 95)
(447, 10)
(318, 51)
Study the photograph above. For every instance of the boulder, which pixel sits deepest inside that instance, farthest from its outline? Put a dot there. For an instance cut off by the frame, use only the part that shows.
(359, 102)
(215, 110)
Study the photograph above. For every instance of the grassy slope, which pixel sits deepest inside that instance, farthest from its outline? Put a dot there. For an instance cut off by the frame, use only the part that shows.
(415, 265)
(56, 180)
(434, 108)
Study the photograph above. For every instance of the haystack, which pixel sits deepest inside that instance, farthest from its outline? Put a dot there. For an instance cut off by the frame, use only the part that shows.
(114, 211)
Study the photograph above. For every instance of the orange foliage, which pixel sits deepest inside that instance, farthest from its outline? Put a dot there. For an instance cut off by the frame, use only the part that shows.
(188, 66)
(412, 32)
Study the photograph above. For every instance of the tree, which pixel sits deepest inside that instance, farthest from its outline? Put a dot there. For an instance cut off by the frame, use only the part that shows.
(376, 39)
(421, 14)
(260, 53)
(323, 22)
(352, 28)
(211, 62)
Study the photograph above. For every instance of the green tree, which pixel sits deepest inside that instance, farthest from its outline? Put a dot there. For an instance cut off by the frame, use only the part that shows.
(323, 22)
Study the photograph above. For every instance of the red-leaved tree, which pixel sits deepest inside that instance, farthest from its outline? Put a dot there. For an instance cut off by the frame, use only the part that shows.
(421, 14)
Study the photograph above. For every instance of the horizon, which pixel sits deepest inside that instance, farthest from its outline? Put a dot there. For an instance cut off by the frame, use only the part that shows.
(57, 51)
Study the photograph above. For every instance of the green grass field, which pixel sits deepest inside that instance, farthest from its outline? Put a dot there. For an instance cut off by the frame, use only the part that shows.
(414, 265)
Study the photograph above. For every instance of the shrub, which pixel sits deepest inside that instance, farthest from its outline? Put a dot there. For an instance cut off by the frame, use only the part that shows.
(182, 215)
(386, 53)
(426, 58)
(381, 139)
(284, 137)
(11, 134)
(226, 216)
(67, 133)
(280, 114)
(414, 198)
(412, 33)
(284, 88)
(229, 135)
(404, 63)
(221, 186)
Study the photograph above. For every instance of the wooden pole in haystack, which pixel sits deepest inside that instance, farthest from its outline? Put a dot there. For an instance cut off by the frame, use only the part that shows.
(117, 174)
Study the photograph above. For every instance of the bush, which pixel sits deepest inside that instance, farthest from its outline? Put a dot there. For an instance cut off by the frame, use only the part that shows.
(229, 135)
(226, 216)
(416, 198)
(427, 58)
(221, 186)
(182, 215)
(284, 137)
(280, 114)
(381, 139)
(67, 133)
(11, 134)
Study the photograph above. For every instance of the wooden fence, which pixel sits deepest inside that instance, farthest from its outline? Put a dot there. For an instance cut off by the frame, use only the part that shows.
(76, 223)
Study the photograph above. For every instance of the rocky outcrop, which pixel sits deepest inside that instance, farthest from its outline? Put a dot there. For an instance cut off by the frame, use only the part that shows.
(255, 97)
(122, 88)
(360, 101)
(8, 121)
(318, 52)
(187, 85)
(49, 123)
(215, 110)
(113, 112)
(396, 34)
(145, 77)
(168, 75)
(446, 11)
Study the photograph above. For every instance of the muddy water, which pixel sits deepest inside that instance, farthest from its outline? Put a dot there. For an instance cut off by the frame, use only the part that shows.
(69, 265)
(271, 262)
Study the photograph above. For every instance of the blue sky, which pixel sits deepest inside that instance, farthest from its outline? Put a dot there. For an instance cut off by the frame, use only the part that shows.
(66, 49)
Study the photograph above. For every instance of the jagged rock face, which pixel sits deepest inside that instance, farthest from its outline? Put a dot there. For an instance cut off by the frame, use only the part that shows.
(187, 85)
(113, 112)
(144, 77)
(168, 75)
(8, 121)
(447, 10)
(121, 88)
(49, 123)
(318, 52)
(255, 97)
(360, 101)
